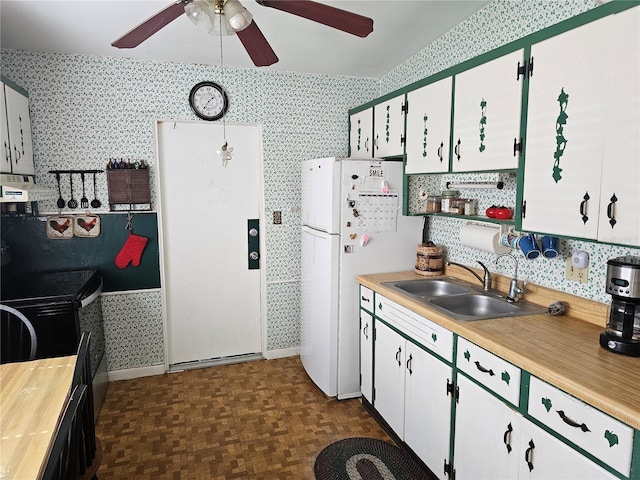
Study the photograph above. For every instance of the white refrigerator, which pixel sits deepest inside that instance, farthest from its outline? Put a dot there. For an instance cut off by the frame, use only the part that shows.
(351, 225)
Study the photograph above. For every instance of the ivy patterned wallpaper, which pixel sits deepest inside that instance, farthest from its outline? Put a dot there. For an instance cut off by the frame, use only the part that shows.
(86, 109)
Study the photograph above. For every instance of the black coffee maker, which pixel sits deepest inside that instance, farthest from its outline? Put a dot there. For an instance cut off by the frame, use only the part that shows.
(622, 334)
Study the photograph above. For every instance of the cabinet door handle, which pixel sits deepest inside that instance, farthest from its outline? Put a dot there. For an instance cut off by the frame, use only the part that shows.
(365, 331)
(611, 214)
(409, 362)
(17, 152)
(366, 144)
(365, 299)
(583, 207)
(484, 370)
(456, 149)
(528, 455)
(375, 143)
(507, 437)
(440, 151)
(7, 154)
(398, 356)
(572, 423)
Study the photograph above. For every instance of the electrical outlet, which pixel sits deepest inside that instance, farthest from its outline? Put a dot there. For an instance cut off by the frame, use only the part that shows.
(577, 274)
(277, 217)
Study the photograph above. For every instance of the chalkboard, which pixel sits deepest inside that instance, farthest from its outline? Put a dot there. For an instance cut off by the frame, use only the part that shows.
(32, 251)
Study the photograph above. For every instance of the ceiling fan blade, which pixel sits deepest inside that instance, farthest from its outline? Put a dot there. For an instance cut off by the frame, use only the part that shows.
(147, 28)
(333, 17)
(257, 46)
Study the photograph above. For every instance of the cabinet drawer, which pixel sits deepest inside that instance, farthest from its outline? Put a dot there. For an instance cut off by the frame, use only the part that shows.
(366, 298)
(599, 434)
(438, 339)
(496, 374)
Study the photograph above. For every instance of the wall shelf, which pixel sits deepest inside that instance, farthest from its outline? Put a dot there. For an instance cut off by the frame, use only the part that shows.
(477, 218)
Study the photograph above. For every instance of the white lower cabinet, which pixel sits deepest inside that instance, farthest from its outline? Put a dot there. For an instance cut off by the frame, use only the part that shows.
(411, 390)
(492, 440)
(366, 355)
(487, 441)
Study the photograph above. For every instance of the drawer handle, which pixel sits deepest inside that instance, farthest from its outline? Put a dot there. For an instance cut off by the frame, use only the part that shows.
(507, 437)
(528, 455)
(572, 423)
(409, 362)
(484, 370)
(398, 356)
(364, 299)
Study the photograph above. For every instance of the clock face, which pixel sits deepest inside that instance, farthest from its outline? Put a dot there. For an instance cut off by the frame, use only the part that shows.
(208, 100)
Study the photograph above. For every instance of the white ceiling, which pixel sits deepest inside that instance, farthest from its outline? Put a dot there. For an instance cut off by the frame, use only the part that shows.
(400, 29)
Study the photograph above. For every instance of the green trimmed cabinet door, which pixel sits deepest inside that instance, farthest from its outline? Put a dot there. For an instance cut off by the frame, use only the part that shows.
(619, 220)
(487, 441)
(486, 117)
(565, 139)
(429, 128)
(366, 355)
(388, 128)
(361, 133)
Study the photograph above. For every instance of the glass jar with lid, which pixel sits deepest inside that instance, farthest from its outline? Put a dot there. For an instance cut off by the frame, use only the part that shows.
(447, 198)
(434, 203)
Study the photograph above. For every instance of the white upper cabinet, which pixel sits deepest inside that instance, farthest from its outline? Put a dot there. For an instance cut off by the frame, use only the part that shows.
(16, 133)
(486, 118)
(360, 134)
(388, 128)
(582, 169)
(619, 220)
(429, 128)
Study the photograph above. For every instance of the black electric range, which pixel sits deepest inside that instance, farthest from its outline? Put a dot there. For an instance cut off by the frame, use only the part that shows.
(39, 288)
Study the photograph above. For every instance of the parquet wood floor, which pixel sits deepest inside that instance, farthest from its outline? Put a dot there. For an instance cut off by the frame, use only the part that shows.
(256, 420)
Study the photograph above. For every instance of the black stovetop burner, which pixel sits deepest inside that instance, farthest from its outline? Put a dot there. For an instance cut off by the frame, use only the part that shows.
(48, 286)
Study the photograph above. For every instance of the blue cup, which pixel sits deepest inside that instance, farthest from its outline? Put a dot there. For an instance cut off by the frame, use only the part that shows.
(529, 246)
(550, 246)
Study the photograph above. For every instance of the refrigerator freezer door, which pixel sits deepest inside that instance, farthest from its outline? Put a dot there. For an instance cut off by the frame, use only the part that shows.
(319, 308)
(321, 194)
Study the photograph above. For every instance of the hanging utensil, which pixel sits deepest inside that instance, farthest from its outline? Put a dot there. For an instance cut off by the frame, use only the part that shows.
(72, 203)
(84, 201)
(61, 203)
(95, 203)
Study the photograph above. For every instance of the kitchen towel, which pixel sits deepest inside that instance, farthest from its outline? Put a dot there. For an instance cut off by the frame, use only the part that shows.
(482, 237)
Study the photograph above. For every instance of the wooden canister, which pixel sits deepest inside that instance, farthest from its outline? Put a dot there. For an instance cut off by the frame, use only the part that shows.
(429, 260)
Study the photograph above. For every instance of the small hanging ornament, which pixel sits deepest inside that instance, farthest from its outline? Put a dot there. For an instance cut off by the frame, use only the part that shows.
(225, 152)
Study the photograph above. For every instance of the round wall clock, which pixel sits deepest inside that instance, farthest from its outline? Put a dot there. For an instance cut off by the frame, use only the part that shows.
(208, 100)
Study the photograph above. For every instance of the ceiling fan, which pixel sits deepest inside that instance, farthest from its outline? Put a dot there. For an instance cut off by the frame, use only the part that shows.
(228, 17)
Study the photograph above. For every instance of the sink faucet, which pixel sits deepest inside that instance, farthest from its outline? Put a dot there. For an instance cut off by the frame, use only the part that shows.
(514, 288)
(486, 281)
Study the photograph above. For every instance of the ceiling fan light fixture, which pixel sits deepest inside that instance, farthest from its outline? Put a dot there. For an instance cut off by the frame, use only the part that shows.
(199, 11)
(236, 15)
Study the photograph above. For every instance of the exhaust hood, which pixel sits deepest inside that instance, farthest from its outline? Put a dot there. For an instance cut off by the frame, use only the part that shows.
(22, 188)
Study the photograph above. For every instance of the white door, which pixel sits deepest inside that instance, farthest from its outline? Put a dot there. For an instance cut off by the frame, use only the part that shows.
(212, 297)
(427, 411)
(388, 127)
(487, 441)
(486, 117)
(360, 141)
(366, 355)
(319, 308)
(388, 371)
(429, 128)
(566, 121)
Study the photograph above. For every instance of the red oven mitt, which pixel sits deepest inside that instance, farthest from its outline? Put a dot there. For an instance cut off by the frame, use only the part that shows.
(131, 251)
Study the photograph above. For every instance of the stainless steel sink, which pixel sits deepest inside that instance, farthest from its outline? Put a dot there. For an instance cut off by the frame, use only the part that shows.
(428, 287)
(475, 305)
(462, 301)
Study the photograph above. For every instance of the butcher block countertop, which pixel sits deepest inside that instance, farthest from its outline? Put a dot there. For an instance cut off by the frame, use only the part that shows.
(562, 350)
(32, 398)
